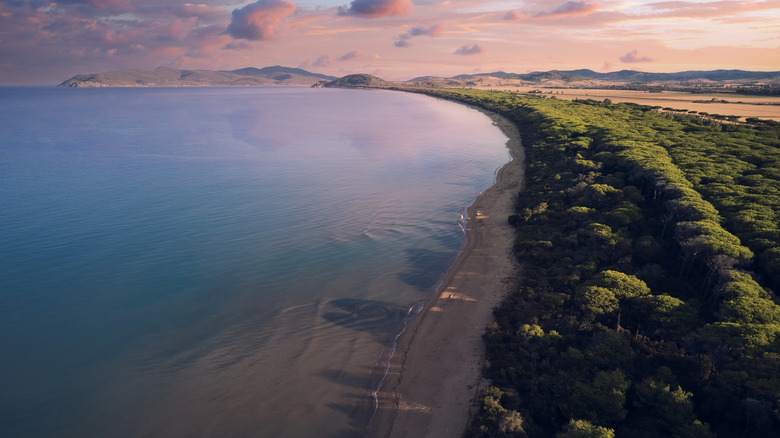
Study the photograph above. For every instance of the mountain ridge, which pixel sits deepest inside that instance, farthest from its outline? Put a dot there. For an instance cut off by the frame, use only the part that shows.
(288, 76)
(169, 77)
(628, 75)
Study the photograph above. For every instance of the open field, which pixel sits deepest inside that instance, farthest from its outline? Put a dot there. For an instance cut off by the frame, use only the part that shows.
(763, 107)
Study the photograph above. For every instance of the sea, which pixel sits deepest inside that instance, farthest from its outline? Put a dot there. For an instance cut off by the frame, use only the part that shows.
(221, 262)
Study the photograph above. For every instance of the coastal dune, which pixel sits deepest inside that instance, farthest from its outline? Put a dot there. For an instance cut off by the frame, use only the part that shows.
(434, 377)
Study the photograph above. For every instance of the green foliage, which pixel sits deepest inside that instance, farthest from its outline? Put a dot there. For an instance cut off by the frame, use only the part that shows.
(622, 285)
(750, 310)
(494, 420)
(669, 409)
(599, 401)
(584, 429)
(661, 316)
(752, 338)
(595, 300)
(609, 350)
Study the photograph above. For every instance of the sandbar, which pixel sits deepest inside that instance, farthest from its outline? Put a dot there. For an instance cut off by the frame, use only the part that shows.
(434, 377)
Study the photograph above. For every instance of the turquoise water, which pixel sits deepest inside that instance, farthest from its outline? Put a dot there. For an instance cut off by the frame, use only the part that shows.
(220, 261)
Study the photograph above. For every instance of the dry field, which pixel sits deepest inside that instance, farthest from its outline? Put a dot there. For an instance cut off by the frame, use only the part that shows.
(763, 107)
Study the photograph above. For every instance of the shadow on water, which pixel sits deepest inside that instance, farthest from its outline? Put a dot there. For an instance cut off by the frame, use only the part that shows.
(426, 268)
(376, 317)
(386, 322)
(354, 380)
(359, 413)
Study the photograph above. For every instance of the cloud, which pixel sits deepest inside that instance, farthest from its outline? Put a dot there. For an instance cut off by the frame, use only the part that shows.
(323, 61)
(576, 7)
(97, 4)
(432, 31)
(715, 8)
(328, 60)
(513, 15)
(377, 8)
(352, 54)
(435, 30)
(236, 45)
(260, 20)
(633, 56)
(187, 10)
(474, 49)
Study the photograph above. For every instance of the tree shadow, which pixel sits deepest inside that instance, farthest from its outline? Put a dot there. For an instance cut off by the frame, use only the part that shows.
(359, 414)
(358, 407)
(371, 316)
(428, 267)
(354, 380)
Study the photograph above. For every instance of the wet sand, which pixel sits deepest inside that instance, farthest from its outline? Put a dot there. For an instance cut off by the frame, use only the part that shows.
(434, 376)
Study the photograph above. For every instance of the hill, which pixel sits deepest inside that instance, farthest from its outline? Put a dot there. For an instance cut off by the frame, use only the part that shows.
(356, 81)
(169, 77)
(747, 81)
(729, 81)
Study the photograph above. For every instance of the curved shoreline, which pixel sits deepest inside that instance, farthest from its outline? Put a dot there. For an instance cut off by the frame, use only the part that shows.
(434, 377)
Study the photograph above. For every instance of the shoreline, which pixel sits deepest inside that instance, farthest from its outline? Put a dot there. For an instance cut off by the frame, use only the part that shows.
(434, 376)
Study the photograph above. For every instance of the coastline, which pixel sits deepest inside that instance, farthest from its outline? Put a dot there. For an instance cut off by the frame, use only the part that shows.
(434, 376)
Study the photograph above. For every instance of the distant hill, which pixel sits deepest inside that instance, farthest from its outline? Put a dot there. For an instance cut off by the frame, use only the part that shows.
(356, 81)
(496, 74)
(287, 76)
(277, 71)
(169, 77)
(685, 76)
(590, 78)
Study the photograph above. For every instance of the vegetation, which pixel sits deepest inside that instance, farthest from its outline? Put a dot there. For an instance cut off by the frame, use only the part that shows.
(360, 80)
(650, 245)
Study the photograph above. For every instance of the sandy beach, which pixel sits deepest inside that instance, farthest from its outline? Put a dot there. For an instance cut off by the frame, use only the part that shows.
(434, 376)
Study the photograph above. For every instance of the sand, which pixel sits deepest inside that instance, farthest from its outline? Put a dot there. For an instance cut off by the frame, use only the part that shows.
(434, 377)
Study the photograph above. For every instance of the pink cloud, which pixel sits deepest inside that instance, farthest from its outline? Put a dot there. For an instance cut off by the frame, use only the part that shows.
(328, 60)
(513, 15)
(576, 7)
(323, 61)
(633, 56)
(432, 31)
(97, 4)
(237, 45)
(377, 8)
(435, 30)
(352, 54)
(474, 49)
(186, 10)
(175, 30)
(725, 9)
(260, 20)
(684, 8)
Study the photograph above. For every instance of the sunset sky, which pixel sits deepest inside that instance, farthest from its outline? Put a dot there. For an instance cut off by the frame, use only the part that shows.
(44, 42)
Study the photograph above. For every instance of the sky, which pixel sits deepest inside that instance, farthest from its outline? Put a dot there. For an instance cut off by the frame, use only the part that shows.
(45, 42)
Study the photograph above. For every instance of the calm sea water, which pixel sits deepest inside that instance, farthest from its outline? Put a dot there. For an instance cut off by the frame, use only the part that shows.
(220, 261)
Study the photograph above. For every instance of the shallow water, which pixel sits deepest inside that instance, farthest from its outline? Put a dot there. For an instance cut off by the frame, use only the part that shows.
(220, 261)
